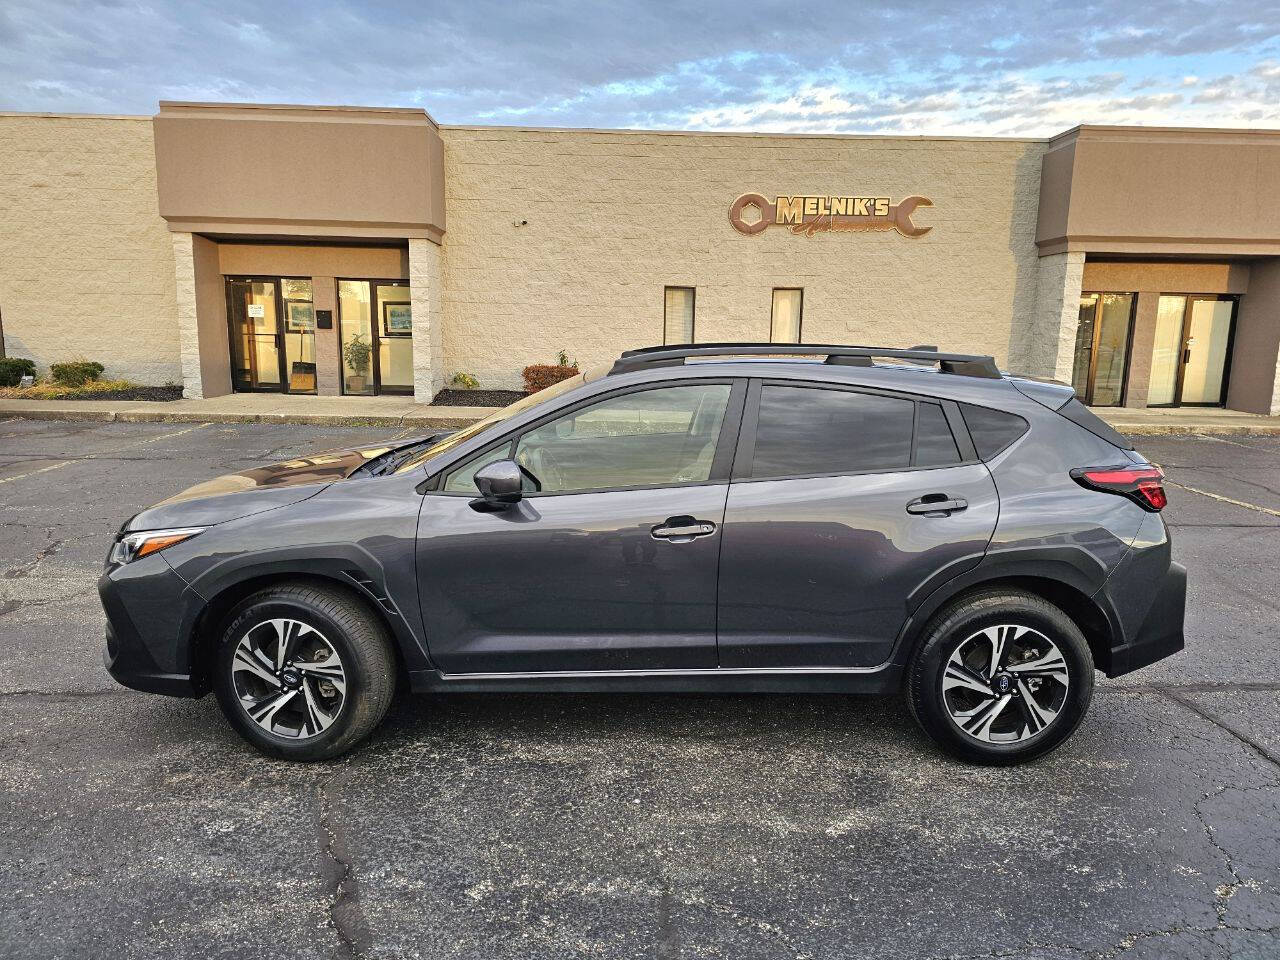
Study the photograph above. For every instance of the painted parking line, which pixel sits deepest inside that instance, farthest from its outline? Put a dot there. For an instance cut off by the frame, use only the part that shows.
(32, 473)
(93, 456)
(1217, 496)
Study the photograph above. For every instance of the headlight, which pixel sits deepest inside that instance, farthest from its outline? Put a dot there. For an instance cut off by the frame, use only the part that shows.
(133, 546)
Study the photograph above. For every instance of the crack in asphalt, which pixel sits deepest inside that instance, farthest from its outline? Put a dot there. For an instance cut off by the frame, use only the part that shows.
(1207, 715)
(343, 909)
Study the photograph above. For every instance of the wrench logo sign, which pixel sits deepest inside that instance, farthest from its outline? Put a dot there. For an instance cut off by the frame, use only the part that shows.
(809, 215)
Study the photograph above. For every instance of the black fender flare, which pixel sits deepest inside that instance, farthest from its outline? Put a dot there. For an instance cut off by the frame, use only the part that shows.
(1067, 566)
(344, 564)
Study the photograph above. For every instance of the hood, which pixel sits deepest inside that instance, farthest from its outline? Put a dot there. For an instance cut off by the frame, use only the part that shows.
(235, 495)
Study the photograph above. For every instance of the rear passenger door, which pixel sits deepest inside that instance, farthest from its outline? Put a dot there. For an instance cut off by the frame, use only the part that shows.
(846, 507)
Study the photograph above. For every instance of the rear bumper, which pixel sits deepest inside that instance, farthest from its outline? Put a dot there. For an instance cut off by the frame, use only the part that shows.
(1160, 634)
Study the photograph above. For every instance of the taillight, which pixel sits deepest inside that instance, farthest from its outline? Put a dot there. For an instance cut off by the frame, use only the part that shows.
(1142, 485)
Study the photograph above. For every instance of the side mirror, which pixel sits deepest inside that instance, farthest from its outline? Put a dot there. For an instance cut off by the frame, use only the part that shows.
(500, 482)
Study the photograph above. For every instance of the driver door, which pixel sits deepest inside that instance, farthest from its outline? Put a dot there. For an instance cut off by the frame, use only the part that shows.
(609, 562)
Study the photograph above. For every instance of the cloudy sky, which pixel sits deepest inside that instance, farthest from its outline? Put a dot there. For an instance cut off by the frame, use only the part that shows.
(959, 66)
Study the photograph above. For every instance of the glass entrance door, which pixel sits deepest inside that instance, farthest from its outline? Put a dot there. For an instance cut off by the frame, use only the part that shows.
(1102, 348)
(272, 331)
(376, 323)
(1190, 358)
(255, 335)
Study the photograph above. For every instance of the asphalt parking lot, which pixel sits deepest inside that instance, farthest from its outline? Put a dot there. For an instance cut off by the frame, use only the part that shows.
(623, 826)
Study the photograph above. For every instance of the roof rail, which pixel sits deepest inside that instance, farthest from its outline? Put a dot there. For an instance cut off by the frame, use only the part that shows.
(963, 364)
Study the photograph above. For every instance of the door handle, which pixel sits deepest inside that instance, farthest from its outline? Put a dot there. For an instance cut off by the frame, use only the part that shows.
(682, 529)
(937, 505)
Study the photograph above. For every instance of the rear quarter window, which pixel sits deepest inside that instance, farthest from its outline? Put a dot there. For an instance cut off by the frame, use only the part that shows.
(1082, 416)
(992, 430)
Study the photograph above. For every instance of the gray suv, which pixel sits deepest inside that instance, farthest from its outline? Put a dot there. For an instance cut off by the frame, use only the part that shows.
(716, 517)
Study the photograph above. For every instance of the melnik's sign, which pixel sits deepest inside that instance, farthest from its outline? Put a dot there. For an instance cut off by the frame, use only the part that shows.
(810, 215)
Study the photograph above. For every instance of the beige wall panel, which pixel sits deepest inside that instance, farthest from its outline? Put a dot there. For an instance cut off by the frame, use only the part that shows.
(614, 217)
(86, 263)
(1168, 277)
(1255, 364)
(211, 311)
(1135, 190)
(271, 260)
(299, 170)
(324, 291)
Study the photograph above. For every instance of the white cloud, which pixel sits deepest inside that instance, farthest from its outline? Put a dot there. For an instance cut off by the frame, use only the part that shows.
(933, 66)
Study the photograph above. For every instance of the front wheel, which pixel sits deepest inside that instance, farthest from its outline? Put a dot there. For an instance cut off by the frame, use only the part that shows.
(304, 672)
(1001, 677)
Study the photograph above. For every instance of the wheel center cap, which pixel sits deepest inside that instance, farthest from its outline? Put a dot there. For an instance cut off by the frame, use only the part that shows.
(291, 679)
(1002, 683)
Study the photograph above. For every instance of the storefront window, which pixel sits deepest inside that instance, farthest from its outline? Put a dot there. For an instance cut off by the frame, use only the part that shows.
(376, 322)
(788, 305)
(357, 336)
(395, 338)
(1102, 347)
(1189, 353)
(677, 315)
(299, 335)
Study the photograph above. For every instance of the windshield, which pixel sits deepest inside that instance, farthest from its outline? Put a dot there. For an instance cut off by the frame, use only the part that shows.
(497, 417)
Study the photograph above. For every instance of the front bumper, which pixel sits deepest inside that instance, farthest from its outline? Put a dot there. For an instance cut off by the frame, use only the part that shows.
(1160, 634)
(145, 650)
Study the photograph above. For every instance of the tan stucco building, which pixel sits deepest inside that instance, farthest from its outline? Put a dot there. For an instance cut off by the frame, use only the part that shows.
(348, 250)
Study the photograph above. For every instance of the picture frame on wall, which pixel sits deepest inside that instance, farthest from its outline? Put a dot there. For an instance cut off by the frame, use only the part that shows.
(299, 318)
(397, 319)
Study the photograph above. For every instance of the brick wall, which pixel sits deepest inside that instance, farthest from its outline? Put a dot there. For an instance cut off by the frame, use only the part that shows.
(86, 263)
(613, 217)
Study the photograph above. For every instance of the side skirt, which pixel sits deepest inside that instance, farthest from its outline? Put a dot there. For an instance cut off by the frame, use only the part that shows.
(876, 680)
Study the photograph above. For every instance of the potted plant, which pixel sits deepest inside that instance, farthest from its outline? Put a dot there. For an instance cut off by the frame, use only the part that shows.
(357, 353)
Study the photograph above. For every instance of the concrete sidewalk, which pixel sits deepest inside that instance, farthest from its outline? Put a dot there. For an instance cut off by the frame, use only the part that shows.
(403, 411)
(251, 408)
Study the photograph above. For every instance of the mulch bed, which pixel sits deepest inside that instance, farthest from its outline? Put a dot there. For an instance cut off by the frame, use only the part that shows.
(476, 398)
(133, 393)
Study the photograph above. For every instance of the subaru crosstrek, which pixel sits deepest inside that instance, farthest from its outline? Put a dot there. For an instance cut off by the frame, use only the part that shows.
(717, 517)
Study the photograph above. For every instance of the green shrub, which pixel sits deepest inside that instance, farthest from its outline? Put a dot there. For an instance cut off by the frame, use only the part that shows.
(13, 369)
(464, 381)
(76, 373)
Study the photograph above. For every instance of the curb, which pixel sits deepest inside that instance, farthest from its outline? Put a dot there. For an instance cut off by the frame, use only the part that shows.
(1184, 430)
(112, 416)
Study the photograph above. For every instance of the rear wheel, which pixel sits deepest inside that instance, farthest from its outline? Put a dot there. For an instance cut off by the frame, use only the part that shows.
(1001, 677)
(304, 672)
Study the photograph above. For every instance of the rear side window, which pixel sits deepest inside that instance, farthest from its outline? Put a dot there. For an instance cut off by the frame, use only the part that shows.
(803, 431)
(935, 446)
(992, 430)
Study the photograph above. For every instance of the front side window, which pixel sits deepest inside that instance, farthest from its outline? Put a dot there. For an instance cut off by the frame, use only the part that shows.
(652, 438)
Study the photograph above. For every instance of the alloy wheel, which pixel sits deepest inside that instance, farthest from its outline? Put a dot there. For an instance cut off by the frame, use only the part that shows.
(1005, 684)
(289, 678)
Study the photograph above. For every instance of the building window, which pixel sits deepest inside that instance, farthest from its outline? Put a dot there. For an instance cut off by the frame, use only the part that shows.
(677, 314)
(788, 307)
(1102, 347)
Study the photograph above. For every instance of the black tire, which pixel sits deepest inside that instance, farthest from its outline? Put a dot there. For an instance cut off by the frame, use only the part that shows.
(957, 623)
(357, 636)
